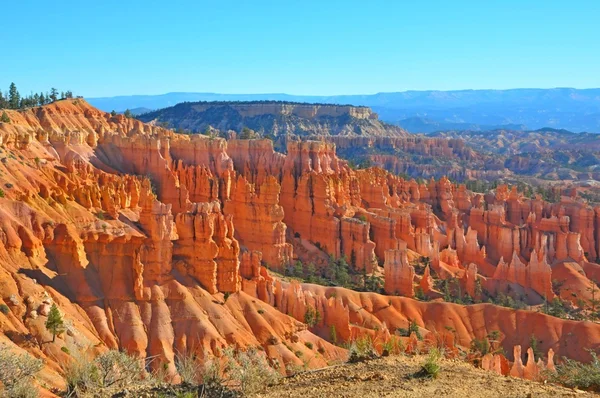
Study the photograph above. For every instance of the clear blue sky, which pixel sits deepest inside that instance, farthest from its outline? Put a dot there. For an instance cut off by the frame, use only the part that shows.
(326, 47)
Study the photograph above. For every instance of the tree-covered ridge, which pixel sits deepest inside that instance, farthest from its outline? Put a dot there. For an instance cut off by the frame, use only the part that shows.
(12, 99)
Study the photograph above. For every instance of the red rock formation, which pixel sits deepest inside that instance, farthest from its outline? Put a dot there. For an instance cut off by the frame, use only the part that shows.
(399, 274)
(426, 283)
(258, 219)
(146, 271)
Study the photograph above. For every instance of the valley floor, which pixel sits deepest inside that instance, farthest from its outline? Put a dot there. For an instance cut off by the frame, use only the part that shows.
(395, 377)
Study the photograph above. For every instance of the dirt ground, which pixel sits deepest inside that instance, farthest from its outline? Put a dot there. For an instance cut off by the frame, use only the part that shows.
(395, 377)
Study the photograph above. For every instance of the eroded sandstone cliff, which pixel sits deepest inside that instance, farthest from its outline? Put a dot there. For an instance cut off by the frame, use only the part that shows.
(159, 243)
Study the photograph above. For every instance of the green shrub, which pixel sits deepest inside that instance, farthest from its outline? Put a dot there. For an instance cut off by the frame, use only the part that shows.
(575, 374)
(65, 349)
(108, 373)
(431, 368)
(1, 193)
(261, 311)
(16, 374)
(4, 309)
(312, 317)
(362, 349)
(333, 334)
(309, 345)
(412, 328)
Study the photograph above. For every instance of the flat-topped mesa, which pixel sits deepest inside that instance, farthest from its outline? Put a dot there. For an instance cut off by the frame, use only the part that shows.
(307, 111)
(275, 119)
(398, 273)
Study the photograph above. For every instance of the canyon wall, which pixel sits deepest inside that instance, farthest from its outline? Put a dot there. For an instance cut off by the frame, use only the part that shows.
(159, 243)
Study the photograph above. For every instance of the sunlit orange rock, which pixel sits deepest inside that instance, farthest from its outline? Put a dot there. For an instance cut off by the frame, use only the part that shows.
(398, 273)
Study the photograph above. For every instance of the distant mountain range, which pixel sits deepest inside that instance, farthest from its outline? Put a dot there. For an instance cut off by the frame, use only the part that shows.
(426, 111)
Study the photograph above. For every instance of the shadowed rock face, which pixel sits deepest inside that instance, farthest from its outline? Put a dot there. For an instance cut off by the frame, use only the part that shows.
(156, 243)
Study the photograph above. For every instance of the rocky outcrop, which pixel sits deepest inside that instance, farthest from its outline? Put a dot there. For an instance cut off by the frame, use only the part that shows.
(399, 274)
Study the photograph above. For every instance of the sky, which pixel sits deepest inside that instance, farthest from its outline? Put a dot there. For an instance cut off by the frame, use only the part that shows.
(303, 47)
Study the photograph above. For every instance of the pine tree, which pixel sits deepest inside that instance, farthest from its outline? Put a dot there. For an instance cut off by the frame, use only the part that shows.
(69, 94)
(113, 113)
(4, 118)
(42, 99)
(127, 113)
(53, 94)
(3, 101)
(55, 323)
(14, 99)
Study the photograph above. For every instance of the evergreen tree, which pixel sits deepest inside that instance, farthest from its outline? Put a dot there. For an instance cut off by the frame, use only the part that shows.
(113, 113)
(42, 100)
(53, 94)
(55, 323)
(128, 114)
(62, 95)
(69, 94)
(3, 101)
(14, 99)
(4, 118)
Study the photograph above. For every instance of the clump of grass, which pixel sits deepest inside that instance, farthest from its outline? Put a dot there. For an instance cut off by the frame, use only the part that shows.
(362, 349)
(392, 346)
(188, 368)
(248, 371)
(431, 368)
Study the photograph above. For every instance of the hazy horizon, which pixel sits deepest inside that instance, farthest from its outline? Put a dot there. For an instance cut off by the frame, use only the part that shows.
(352, 94)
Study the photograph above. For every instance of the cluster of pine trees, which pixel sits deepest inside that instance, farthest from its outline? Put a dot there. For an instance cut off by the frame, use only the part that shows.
(13, 100)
